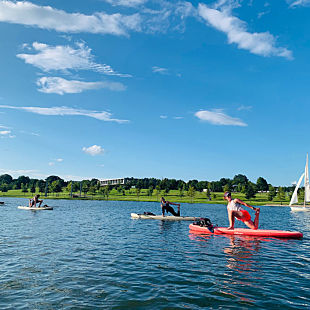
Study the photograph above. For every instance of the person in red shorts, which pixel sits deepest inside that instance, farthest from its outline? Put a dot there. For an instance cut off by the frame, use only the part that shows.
(236, 211)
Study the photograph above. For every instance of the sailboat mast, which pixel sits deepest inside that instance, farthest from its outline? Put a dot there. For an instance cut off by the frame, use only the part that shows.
(306, 181)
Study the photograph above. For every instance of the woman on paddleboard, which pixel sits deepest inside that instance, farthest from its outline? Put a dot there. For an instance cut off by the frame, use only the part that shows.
(165, 206)
(236, 211)
(34, 201)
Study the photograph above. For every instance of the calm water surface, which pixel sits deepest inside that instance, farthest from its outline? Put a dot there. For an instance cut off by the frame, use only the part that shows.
(92, 255)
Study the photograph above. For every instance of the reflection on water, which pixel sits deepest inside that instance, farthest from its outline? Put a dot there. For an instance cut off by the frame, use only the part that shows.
(165, 225)
(240, 253)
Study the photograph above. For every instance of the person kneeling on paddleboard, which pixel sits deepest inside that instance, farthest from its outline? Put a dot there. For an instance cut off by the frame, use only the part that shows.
(33, 202)
(235, 211)
(165, 206)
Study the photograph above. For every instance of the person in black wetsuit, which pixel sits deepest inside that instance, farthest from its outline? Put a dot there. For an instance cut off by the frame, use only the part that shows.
(165, 207)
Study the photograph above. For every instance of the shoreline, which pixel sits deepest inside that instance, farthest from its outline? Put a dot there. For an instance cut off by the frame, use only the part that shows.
(145, 199)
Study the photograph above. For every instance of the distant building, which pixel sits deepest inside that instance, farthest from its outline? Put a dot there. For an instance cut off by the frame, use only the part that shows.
(120, 181)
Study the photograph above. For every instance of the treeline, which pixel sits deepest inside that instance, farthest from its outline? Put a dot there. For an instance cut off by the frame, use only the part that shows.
(55, 184)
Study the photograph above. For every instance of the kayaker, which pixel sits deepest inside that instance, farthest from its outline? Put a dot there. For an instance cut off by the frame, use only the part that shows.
(165, 206)
(33, 202)
(236, 211)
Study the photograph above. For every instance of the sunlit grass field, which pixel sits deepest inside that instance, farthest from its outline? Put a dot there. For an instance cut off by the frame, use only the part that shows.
(173, 196)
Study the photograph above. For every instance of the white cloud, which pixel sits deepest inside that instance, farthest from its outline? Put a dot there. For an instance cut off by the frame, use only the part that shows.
(5, 132)
(46, 17)
(18, 172)
(129, 3)
(299, 3)
(163, 116)
(245, 107)
(178, 117)
(57, 160)
(30, 133)
(169, 15)
(60, 86)
(65, 58)
(93, 150)
(263, 44)
(217, 117)
(62, 111)
(15, 173)
(160, 70)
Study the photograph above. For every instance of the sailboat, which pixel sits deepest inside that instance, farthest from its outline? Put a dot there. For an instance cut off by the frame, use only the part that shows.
(294, 199)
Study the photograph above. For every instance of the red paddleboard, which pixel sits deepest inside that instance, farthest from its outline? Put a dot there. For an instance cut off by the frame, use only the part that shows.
(248, 232)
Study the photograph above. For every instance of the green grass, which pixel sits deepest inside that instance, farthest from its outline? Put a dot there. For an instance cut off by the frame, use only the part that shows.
(173, 195)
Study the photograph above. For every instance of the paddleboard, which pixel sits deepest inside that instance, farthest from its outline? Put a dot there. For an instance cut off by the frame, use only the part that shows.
(248, 232)
(35, 209)
(160, 217)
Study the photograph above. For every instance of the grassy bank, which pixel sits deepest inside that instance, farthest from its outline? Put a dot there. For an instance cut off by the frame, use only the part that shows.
(173, 195)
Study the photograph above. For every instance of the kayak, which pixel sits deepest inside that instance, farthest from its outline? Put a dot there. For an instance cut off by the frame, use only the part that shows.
(35, 209)
(248, 232)
(160, 217)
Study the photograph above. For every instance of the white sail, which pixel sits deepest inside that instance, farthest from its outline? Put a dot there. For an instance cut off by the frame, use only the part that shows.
(294, 198)
(307, 186)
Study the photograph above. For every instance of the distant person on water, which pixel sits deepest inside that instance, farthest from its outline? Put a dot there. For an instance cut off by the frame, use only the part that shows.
(33, 202)
(165, 207)
(236, 211)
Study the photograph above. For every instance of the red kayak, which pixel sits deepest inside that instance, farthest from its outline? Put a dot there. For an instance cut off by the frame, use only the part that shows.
(248, 232)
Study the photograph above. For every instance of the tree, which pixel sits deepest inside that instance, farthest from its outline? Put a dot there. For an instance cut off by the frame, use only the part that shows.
(240, 179)
(227, 188)
(166, 191)
(271, 193)
(150, 191)
(6, 178)
(181, 192)
(21, 180)
(191, 193)
(249, 191)
(208, 194)
(138, 191)
(3, 187)
(92, 189)
(41, 186)
(32, 189)
(56, 187)
(106, 191)
(158, 191)
(24, 188)
(53, 178)
(281, 194)
(301, 193)
(85, 187)
(239, 187)
(262, 184)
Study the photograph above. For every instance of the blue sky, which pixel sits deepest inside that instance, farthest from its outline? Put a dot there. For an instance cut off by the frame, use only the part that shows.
(153, 88)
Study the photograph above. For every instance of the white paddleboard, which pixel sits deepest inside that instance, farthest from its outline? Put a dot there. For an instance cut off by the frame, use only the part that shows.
(35, 209)
(160, 217)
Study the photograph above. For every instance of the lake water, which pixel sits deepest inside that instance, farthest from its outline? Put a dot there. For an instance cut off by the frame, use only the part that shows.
(92, 255)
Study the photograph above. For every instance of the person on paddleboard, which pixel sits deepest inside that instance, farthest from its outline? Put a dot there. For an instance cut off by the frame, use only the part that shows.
(236, 211)
(33, 202)
(165, 207)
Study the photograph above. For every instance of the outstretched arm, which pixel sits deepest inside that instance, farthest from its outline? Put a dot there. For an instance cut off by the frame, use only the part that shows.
(244, 203)
(172, 203)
